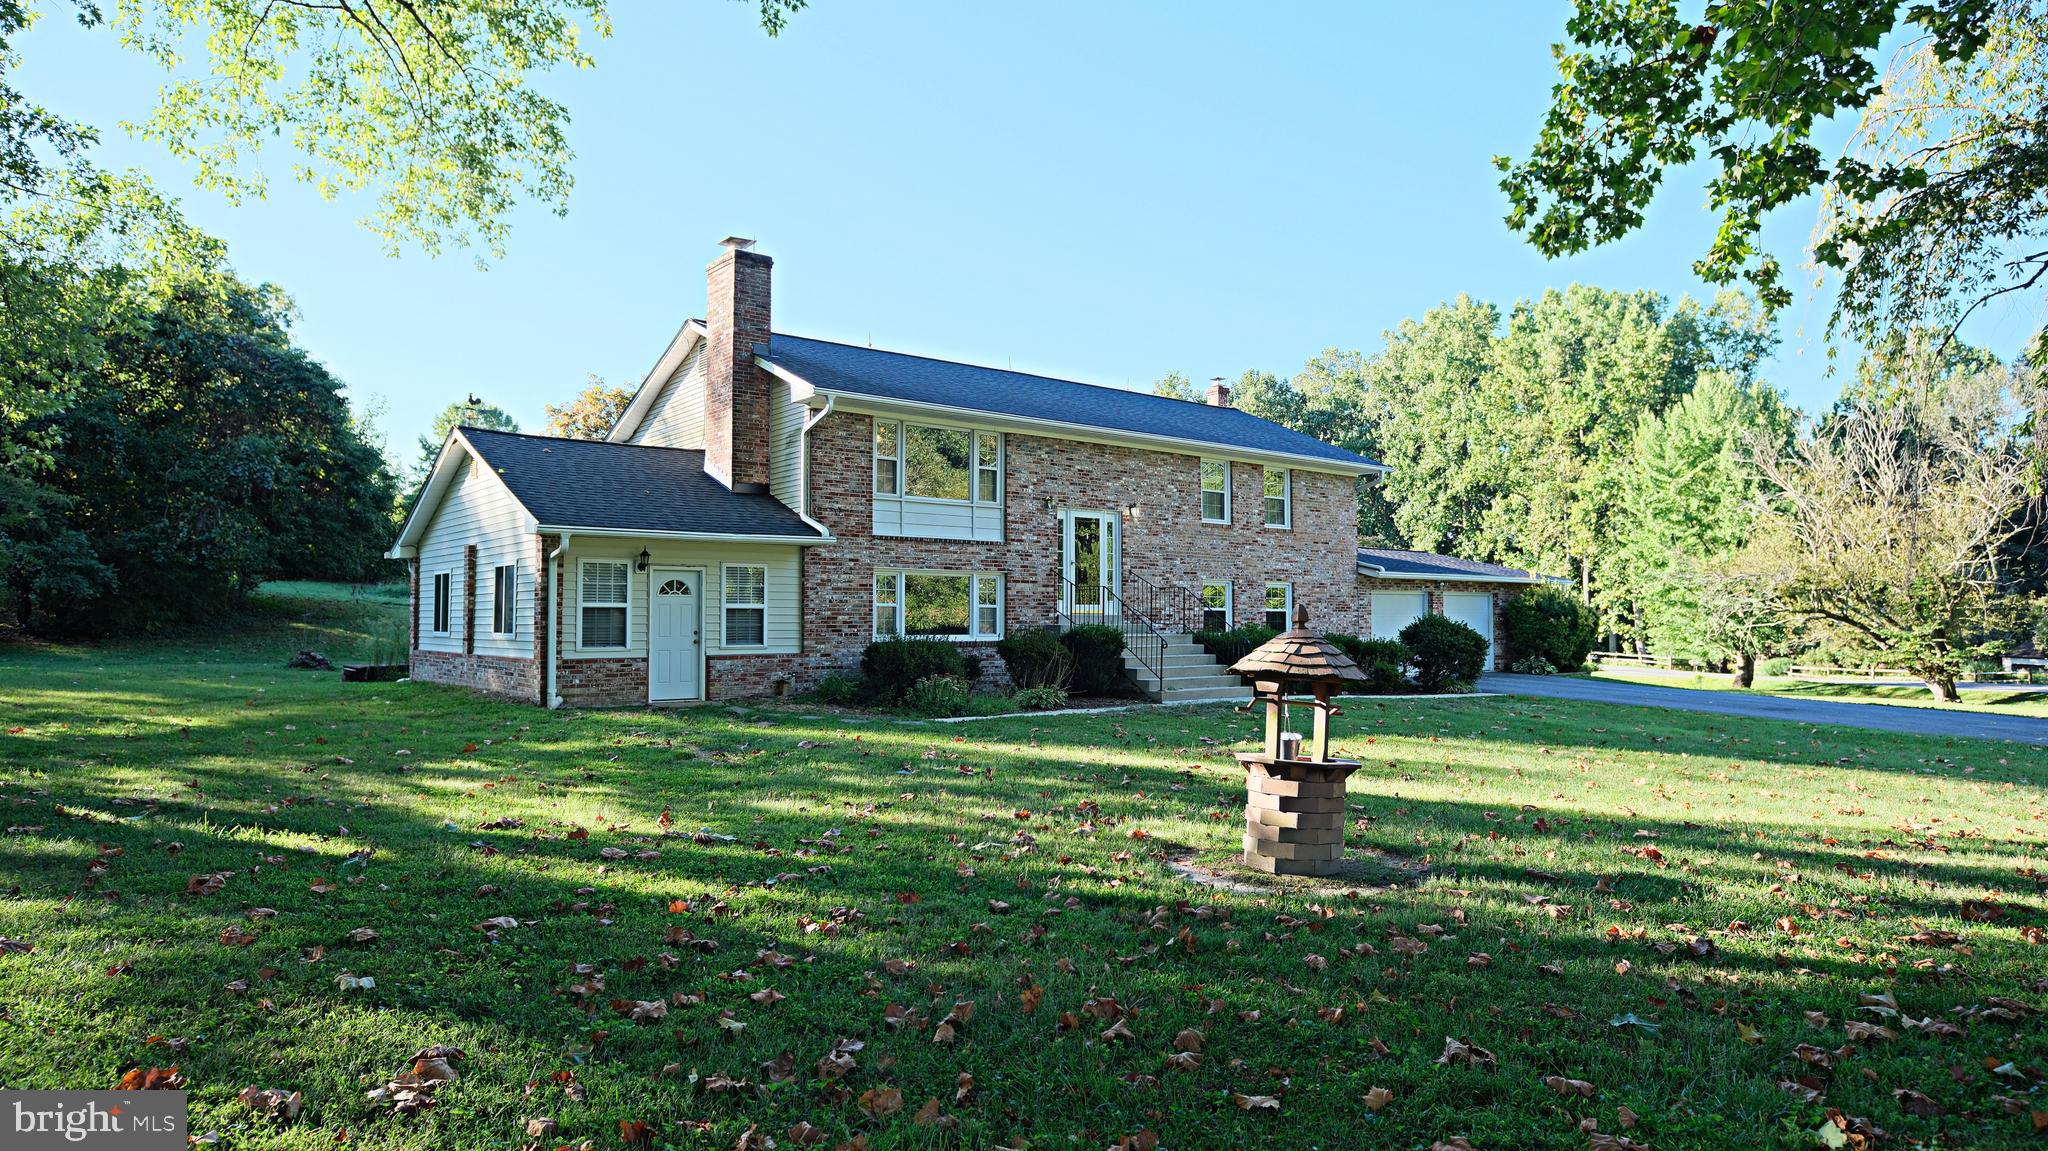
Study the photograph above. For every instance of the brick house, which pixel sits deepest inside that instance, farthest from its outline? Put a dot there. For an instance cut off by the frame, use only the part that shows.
(769, 504)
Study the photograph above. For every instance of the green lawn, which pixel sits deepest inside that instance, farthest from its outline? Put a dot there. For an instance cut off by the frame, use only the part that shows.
(1648, 902)
(1994, 700)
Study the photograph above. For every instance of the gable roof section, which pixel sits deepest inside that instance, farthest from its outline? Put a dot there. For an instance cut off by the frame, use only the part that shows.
(598, 488)
(657, 377)
(1400, 563)
(844, 370)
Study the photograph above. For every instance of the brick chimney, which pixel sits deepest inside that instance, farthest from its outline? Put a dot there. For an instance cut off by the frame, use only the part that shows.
(735, 391)
(1218, 395)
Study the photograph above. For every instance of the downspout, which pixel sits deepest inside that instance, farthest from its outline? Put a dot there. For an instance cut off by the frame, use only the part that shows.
(803, 463)
(554, 623)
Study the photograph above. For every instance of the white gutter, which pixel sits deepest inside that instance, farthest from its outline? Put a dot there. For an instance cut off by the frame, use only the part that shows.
(1377, 572)
(554, 625)
(715, 537)
(803, 467)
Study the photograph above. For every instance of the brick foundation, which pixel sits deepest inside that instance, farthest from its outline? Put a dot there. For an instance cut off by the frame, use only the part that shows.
(512, 677)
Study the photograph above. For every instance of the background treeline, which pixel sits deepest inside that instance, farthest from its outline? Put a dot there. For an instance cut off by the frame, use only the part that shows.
(1629, 444)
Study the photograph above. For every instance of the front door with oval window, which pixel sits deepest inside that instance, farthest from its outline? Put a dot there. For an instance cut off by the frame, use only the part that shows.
(675, 635)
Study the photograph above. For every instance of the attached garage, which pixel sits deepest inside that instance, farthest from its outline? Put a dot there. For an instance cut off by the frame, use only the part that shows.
(1474, 609)
(1398, 587)
(1394, 610)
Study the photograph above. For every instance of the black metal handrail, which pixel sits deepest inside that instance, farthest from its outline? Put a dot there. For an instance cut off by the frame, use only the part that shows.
(1098, 605)
(1171, 607)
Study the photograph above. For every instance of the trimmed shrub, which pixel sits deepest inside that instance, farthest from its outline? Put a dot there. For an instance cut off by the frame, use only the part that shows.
(971, 667)
(1445, 652)
(1230, 646)
(1035, 657)
(939, 695)
(1777, 665)
(1098, 651)
(890, 666)
(1044, 697)
(838, 690)
(1552, 623)
(1384, 662)
(1532, 665)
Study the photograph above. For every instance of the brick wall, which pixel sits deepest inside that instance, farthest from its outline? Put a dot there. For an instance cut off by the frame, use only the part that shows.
(736, 317)
(513, 677)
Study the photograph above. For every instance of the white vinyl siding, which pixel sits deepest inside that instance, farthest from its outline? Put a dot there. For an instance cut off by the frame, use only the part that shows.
(785, 445)
(1279, 498)
(781, 628)
(746, 605)
(476, 509)
(1215, 475)
(676, 418)
(939, 604)
(934, 480)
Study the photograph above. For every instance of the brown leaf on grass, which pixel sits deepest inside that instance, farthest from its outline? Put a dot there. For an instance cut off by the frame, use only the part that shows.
(1030, 998)
(963, 1086)
(540, 1128)
(1858, 1030)
(1183, 1061)
(497, 923)
(881, 1102)
(1255, 1102)
(1102, 1007)
(151, 1079)
(1941, 1028)
(1817, 1019)
(1118, 1033)
(803, 1134)
(929, 1115)
(1189, 1040)
(1563, 1086)
(636, 1132)
(767, 997)
(1915, 1103)
(235, 937)
(1626, 1117)
(1454, 1143)
(1479, 959)
(641, 1010)
(1601, 1141)
(1459, 1051)
(272, 1103)
(1981, 911)
(203, 885)
(1315, 962)
(1818, 1056)
(362, 935)
(1377, 1098)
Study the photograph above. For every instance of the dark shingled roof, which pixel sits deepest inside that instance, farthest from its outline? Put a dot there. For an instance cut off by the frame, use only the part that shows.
(943, 383)
(627, 487)
(1421, 565)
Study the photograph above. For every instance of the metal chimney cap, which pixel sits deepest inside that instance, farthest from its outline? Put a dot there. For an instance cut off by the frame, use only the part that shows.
(736, 243)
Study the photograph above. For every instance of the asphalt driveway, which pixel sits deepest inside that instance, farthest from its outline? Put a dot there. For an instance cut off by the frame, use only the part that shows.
(1875, 716)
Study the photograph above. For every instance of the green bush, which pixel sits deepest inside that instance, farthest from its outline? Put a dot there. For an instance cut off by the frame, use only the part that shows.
(1035, 657)
(939, 695)
(1384, 662)
(1098, 651)
(838, 689)
(890, 666)
(1552, 623)
(1532, 665)
(1044, 697)
(1445, 652)
(971, 667)
(1230, 646)
(1778, 665)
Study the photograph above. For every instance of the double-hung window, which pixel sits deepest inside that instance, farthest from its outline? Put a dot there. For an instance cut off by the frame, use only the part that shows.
(1215, 491)
(746, 605)
(504, 599)
(1279, 498)
(988, 468)
(605, 584)
(963, 605)
(1216, 605)
(444, 583)
(888, 457)
(1279, 605)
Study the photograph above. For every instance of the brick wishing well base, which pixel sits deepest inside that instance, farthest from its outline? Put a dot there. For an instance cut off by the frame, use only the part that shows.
(1294, 814)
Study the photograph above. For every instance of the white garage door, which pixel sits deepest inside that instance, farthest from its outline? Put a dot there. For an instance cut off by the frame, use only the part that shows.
(1394, 610)
(1474, 610)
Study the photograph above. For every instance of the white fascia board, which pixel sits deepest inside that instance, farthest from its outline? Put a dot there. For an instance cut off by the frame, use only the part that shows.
(712, 537)
(801, 391)
(1374, 571)
(686, 338)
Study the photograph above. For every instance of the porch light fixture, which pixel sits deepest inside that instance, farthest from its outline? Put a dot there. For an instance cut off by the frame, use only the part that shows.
(645, 559)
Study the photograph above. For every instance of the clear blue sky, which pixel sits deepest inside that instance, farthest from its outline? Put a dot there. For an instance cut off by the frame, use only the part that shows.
(1100, 192)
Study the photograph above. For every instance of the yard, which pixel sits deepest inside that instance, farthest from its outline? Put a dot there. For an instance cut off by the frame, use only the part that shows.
(1992, 699)
(715, 927)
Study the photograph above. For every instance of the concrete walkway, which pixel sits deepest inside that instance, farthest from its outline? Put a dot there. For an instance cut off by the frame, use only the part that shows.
(1829, 713)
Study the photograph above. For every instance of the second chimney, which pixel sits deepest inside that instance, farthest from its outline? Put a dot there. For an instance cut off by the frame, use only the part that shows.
(1218, 395)
(736, 317)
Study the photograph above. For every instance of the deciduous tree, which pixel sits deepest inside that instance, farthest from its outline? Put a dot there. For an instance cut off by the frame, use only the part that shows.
(591, 414)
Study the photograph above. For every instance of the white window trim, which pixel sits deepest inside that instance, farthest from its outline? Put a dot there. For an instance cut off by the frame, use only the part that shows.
(1286, 498)
(1229, 596)
(433, 601)
(975, 466)
(1203, 492)
(511, 614)
(1263, 609)
(895, 461)
(974, 579)
(725, 606)
(581, 603)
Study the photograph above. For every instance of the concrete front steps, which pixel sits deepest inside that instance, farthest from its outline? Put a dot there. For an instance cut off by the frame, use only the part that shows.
(1191, 673)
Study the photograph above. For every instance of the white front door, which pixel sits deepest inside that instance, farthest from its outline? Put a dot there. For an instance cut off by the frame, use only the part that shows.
(1088, 565)
(1474, 610)
(675, 634)
(1394, 610)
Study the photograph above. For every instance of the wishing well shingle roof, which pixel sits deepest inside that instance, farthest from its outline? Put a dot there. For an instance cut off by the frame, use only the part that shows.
(602, 486)
(943, 383)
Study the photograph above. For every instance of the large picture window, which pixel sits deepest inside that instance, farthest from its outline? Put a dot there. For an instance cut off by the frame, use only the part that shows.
(504, 599)
(1215, 491)
(938, 463)
(966, 605)
(604, 588)
(746, 606)
(1279, 498)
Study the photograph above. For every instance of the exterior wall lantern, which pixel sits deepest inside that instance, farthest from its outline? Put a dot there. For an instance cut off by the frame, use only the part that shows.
(1294, 794)
(643, 561)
